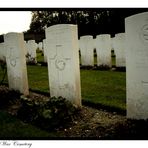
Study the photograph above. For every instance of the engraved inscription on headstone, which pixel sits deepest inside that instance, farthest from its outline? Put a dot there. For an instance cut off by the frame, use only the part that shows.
(136, 29)
(63, 62)
(60, 64)
(16, 62)
(144, 33)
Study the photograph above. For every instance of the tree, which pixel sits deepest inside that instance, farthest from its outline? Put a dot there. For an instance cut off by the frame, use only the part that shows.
(89, 21)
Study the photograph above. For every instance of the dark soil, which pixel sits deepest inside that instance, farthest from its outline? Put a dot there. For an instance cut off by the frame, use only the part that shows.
(93, 123)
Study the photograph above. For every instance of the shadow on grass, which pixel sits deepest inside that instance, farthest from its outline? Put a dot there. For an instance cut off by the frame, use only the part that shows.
(104, 107)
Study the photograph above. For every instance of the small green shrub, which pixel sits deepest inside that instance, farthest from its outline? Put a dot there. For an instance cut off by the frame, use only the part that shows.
(50, 114)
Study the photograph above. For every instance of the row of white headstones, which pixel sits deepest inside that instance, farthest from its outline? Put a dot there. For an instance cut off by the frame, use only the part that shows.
(63, 63)
(103, 45)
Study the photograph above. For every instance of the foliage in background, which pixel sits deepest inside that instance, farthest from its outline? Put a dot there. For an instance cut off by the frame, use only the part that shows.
(90, 21)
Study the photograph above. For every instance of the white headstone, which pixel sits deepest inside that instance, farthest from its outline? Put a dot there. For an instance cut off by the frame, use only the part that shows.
(87, 50)
(45, 50)
(32, 46)
(2, 52)
(63, 62)
(16, 62)
(40, 46)
(136, 29)
(103, 49)
(119, 48)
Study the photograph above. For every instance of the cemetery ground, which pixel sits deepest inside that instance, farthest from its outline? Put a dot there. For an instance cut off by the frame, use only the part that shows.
(102, 116)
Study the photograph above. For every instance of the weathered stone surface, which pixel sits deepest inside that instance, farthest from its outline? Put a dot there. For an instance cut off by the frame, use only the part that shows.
(136, 30)
(63, 62)
(86, 46)
(103, 49)
(16, 62)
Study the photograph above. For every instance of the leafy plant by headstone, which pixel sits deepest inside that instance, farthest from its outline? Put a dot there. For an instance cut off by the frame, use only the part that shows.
(50, 114)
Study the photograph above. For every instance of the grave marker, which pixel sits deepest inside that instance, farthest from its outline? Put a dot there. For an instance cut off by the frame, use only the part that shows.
(103, 49)
(63, 62)
(16, 62)
(32, 46)
(119, 48)
(87, 50)
(136, 29)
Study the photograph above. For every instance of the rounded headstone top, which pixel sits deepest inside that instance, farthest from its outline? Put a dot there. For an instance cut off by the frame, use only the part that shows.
(120, 34)
(60, 27)
(136, 15)
(31, 41)
(103, 35)
(12, 35)
(86, 37)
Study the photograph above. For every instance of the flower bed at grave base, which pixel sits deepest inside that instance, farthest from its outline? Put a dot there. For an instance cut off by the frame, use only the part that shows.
(87, 123)
(57, 111)
(37, 109)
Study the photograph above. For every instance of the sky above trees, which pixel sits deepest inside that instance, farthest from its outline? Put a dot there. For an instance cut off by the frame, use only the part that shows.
(14, 21)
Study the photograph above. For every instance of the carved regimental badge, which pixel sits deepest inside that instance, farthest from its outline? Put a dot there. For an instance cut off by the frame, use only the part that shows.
(60, 64)
(13, 62)
(144, 33)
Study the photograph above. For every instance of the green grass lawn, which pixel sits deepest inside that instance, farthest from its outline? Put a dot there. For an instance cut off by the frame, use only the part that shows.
(38, 78)
(12, 128)
(40, 57)
(105, 87)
